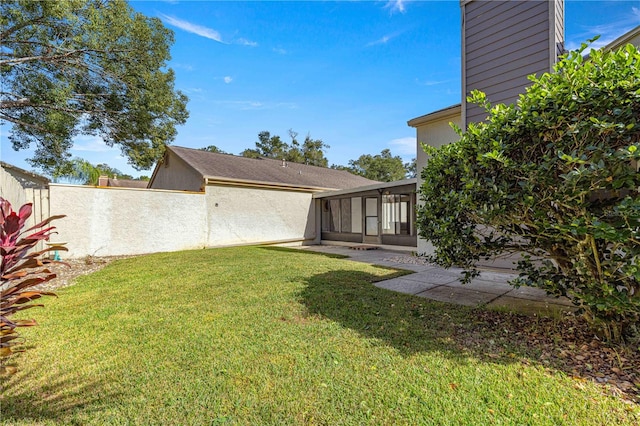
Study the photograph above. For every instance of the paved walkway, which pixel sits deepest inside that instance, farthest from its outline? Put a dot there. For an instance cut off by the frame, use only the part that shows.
(433, 282)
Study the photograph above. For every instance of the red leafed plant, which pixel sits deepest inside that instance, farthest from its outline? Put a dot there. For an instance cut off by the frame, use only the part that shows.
(20, 271)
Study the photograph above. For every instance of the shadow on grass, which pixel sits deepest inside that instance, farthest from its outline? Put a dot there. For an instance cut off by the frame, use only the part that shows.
(63, 399)
(409, 324)
(303, 251)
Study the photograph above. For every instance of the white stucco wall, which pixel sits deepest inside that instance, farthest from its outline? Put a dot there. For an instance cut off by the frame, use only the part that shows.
(436, 132)
(117, 221)
(252, 215)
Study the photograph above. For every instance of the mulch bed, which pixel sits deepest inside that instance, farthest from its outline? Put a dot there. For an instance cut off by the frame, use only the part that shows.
(69, 269)
(568, 344)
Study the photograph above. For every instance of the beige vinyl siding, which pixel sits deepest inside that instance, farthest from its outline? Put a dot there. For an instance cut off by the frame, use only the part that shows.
(503, 43)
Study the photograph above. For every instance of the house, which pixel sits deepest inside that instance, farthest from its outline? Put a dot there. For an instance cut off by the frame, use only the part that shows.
(22, 177)
(252, 201)
(265, 200)
(632, 37)
(20, 187)
(121, 183)
(198, 199)
(503, 42)
(381, 213)
(193, 169)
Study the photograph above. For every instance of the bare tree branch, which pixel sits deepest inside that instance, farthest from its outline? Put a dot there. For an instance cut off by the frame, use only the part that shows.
(44, 58)
(40, 20)
(14, 120)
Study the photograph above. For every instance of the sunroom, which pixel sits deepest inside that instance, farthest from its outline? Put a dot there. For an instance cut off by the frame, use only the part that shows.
(380, 214)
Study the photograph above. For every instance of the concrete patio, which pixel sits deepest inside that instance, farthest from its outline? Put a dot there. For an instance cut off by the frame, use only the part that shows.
(433, 282)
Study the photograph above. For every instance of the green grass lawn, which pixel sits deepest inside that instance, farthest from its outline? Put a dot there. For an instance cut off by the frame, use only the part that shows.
(267, 336)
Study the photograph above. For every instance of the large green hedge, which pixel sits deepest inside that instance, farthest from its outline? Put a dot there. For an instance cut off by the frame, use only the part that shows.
(553, 177)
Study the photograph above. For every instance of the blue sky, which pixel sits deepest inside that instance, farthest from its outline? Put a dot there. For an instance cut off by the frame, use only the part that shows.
(350, 73)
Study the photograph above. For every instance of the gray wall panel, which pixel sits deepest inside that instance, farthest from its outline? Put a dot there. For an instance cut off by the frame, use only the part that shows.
(509, 36)
(519, 18)
(503, 78)
(513, 60)
(503, 43)
(485, 9)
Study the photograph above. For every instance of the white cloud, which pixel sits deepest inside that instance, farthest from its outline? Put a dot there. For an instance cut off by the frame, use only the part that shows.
(257, 105)
(279, 51)
(432, 82)
(396, 6)
(94, 150)
(184, 66)
(385, 39)
(604, 39)
(228, 79)
(381, 40)
(242, 105)
(193, 28)
(608, 32)
(404, 146)
(245, 42)
(86, 143)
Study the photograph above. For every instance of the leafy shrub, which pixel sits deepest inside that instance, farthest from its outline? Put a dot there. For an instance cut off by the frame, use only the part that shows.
(20, 271)
(555, 179)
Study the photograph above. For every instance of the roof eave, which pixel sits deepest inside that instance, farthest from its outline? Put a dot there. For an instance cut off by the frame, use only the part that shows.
(381, 185)
(452, 111)
(36, 176)
(245, 183)
(623, 39)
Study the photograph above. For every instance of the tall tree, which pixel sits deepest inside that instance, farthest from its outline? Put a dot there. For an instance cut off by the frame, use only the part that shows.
(251, 153)
(272, 146)
(310, 152)
(213, 148)
(412, 168)
(294, 152)
(85, 173)
(382, 167)
(93, 67)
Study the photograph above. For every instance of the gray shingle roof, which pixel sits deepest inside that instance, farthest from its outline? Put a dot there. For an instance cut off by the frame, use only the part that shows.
(264, 170)
(127, 183)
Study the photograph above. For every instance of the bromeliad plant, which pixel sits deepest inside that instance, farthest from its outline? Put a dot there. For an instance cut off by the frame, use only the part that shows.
(20, 271)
